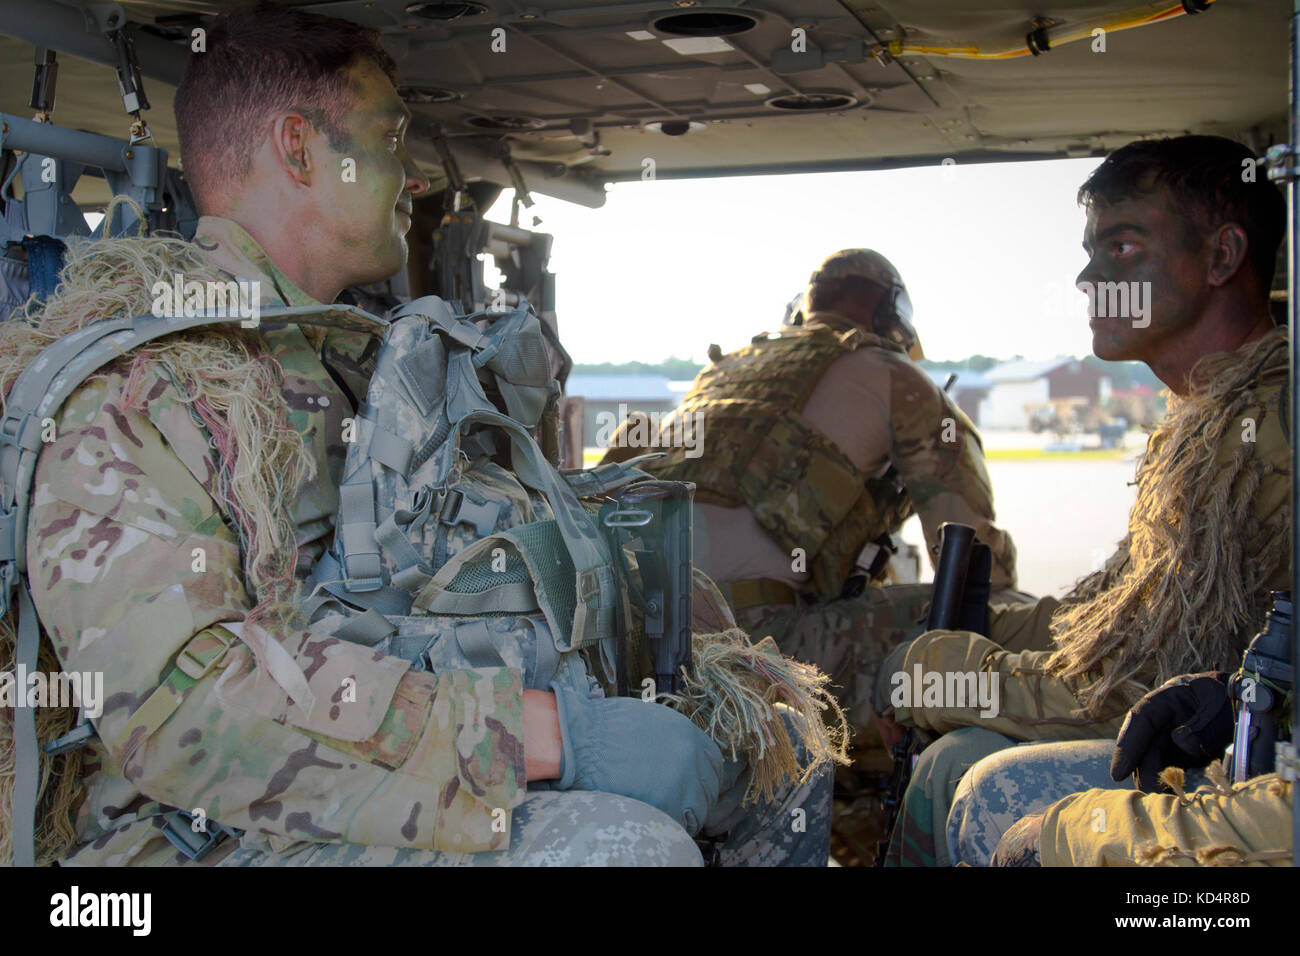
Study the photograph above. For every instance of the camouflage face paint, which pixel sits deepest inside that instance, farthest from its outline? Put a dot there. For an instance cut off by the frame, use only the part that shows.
(367, 179)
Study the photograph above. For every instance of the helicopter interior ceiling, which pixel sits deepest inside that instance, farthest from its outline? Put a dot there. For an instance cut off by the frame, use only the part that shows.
(580, 93)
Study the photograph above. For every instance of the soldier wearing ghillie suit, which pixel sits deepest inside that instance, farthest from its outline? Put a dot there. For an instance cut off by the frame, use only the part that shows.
(193, 483)
(1208, 538)
(815, 442)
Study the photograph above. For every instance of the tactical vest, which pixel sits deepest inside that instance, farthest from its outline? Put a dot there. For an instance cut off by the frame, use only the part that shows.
(760, 452)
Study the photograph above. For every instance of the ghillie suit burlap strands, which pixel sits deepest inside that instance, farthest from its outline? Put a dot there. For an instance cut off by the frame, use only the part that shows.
(233, 387)
(732, 696)
(1220, 854)
(1189, 583)
(734, 689)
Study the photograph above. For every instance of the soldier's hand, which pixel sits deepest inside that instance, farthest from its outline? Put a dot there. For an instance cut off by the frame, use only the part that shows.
(641, 750)
(1186, 722)
(1020, 845)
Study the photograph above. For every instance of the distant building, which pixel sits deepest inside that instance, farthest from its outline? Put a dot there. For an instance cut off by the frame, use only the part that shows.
(968, 391)
(1019, 383)
(608, 397)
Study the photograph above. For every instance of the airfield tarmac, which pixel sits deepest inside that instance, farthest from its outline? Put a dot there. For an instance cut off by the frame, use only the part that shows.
(1065, 511)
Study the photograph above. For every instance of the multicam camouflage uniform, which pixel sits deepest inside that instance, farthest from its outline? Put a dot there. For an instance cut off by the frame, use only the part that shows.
(1035, 706)
(425, 762)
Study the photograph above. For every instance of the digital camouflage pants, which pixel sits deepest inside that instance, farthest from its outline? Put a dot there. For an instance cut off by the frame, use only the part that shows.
(920, 835)
(581, 828)
(1015, 782)
(1025, 779)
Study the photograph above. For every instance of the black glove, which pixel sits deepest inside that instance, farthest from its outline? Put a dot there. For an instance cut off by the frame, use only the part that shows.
(1186, 722)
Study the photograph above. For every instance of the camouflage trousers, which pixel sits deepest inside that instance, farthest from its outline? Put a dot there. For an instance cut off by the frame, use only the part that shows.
(920, 835)
(1022, 780)
(1013, 783)
(585, 828)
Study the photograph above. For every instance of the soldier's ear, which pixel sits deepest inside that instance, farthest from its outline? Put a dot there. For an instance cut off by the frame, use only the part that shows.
(1229, 246)
(291, 138)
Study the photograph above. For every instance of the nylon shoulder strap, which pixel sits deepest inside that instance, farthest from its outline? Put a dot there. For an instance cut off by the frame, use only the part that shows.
(37, 395)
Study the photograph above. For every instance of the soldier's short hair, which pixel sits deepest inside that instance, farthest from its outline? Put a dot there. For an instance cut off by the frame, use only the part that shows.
(261, 59)
(1212, 181)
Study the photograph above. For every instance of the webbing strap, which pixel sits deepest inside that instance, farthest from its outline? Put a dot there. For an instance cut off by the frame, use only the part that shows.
(200, 654)
(37, 394)
(593, 619)
(587, 483)
(391, 451)
(368, 628)
(392, 534)
(27, 766)
(327, 574)
(362, 568)
(475, 642)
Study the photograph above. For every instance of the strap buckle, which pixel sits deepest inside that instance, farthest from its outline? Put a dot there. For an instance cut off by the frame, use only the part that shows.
(194, 845)
(193, 666)
(15, 429)
(462, 510)
(76, 738)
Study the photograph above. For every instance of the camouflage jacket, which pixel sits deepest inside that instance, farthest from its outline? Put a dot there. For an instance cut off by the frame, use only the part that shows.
(123, 501)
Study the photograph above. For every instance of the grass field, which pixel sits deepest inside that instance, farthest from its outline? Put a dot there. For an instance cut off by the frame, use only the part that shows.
(1042, 454)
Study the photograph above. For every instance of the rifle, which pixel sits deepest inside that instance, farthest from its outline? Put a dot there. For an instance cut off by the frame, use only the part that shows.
(1262, 689)
(959, 600)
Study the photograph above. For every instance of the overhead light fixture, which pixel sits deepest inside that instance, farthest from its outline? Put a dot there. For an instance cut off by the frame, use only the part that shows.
(694, 46)
(640, 34)
(705, 23)
(822, 101)
(674, 127)
(758, 89)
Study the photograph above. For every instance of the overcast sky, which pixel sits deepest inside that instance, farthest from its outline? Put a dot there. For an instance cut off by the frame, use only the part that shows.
(988, 252)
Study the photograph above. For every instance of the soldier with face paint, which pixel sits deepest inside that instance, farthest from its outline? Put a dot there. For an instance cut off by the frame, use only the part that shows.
(195, 482)
(1181, 255)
